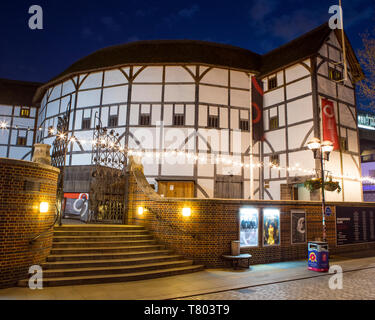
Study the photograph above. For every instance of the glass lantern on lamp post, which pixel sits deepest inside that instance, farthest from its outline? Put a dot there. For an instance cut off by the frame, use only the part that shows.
(322, 151)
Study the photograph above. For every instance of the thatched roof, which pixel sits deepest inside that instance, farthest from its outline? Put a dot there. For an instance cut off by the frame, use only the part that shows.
(167, 51)
(14, 92)
(209, 53)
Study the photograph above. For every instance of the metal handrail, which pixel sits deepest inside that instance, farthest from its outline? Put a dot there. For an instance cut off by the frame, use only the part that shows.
(172, 226)
(45, 231)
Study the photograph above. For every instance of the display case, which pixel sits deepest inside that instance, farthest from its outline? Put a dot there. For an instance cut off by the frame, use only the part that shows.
(249, 227)
(271, 227)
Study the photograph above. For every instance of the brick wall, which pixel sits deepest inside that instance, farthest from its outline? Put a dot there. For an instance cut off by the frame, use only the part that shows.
(207, 234)
(23, 185)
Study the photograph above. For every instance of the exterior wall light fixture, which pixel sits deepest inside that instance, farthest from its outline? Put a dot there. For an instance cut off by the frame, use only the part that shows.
(43, 207)
(186, 212)
(141, 210)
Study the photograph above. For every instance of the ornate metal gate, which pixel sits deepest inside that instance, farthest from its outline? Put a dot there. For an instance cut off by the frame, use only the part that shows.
(108, 181)
(58, 158)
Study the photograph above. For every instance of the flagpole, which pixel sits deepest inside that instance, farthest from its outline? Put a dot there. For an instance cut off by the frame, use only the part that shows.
(343, 43)
(251, 142)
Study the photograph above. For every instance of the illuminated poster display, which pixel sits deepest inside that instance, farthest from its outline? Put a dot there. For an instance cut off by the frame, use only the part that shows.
(298, 226)
(249, 226)
(271, 227)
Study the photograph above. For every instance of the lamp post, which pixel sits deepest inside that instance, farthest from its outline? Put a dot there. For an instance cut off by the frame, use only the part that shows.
(321, 152)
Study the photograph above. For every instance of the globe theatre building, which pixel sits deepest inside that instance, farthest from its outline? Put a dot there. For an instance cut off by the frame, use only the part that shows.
(187, 104)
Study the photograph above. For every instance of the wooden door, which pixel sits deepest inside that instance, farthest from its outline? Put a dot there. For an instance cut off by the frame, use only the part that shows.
(228, 187)
(176, 189)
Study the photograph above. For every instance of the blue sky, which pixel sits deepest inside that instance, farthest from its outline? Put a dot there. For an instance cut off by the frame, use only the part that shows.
(74, 29)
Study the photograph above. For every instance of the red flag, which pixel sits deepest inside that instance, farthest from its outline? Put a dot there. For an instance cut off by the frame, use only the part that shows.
(329, 124)
(257, 109)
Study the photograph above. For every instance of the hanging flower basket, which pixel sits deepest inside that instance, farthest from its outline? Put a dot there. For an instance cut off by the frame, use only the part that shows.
(332, 186)
(315, 184)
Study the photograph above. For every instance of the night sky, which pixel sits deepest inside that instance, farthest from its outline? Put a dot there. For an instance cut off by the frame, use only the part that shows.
(74, 29)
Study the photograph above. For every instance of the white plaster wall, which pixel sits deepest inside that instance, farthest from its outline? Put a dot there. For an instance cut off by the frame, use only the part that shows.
(150, 74)
(146, 93)
(115, 95)
(208, 186)
(277, 139)
(177, 74)
(216, 76)
(273, 97)
(114, 77)
(298, 88)
(239, 80)
(88, 98)
(213, 95)
(240, 98)
(295, 72)
(93, 80)
(297, 135)
(300, 110)
(179, 93)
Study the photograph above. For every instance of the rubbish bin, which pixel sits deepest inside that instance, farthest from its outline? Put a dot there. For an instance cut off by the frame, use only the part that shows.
(236, 248)
(318, 256)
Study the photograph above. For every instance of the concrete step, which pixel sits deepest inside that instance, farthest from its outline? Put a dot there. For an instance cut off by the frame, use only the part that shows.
(106, 256)
(105, 249)
(133, 276)
(101, 238)
(110, 262)
(98, 227)
(88, 233)
(112, 270)
(112, 244)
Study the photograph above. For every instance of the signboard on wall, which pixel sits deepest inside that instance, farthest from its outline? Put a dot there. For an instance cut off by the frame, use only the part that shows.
(355, 225)
(249, 226)
(76, 204)
(271, 227)
(298, 223)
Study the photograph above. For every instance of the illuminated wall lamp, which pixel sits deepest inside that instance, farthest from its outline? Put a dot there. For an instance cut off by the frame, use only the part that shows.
(43, 207)
(141, 210)
(186, 212)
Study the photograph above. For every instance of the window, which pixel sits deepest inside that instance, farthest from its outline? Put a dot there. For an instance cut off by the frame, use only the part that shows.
(343, 144)
(113, 121)
(274, 123)
(25, 112)
(244, 125)
(179, 120)
(334, 75)
(21, 141)
(272, 83)
(144, 120)
(372, 173)
(275, 160)
(86, 123)
(213, 121)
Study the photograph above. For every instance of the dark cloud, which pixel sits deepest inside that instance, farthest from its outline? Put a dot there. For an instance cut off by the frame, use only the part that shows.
(186, 13)
(189, 12)
(110, 23)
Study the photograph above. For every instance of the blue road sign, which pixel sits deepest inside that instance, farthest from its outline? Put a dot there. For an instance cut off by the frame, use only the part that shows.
(328, 211)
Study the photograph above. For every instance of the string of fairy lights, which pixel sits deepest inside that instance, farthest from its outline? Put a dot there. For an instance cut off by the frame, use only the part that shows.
(192, 156)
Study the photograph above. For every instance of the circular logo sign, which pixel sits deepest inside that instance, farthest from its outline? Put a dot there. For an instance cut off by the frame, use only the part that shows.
(328, 111)
(312, 257)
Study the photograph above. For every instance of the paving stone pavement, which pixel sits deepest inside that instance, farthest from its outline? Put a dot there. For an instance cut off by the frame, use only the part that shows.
(357, 285)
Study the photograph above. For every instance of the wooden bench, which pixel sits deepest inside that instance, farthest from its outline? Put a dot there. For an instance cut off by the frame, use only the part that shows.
(237, 259)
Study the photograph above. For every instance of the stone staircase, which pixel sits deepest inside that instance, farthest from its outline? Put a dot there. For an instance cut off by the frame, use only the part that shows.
(92, 254)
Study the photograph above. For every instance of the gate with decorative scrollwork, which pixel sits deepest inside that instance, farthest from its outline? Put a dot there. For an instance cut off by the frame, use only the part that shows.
(108, 177)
